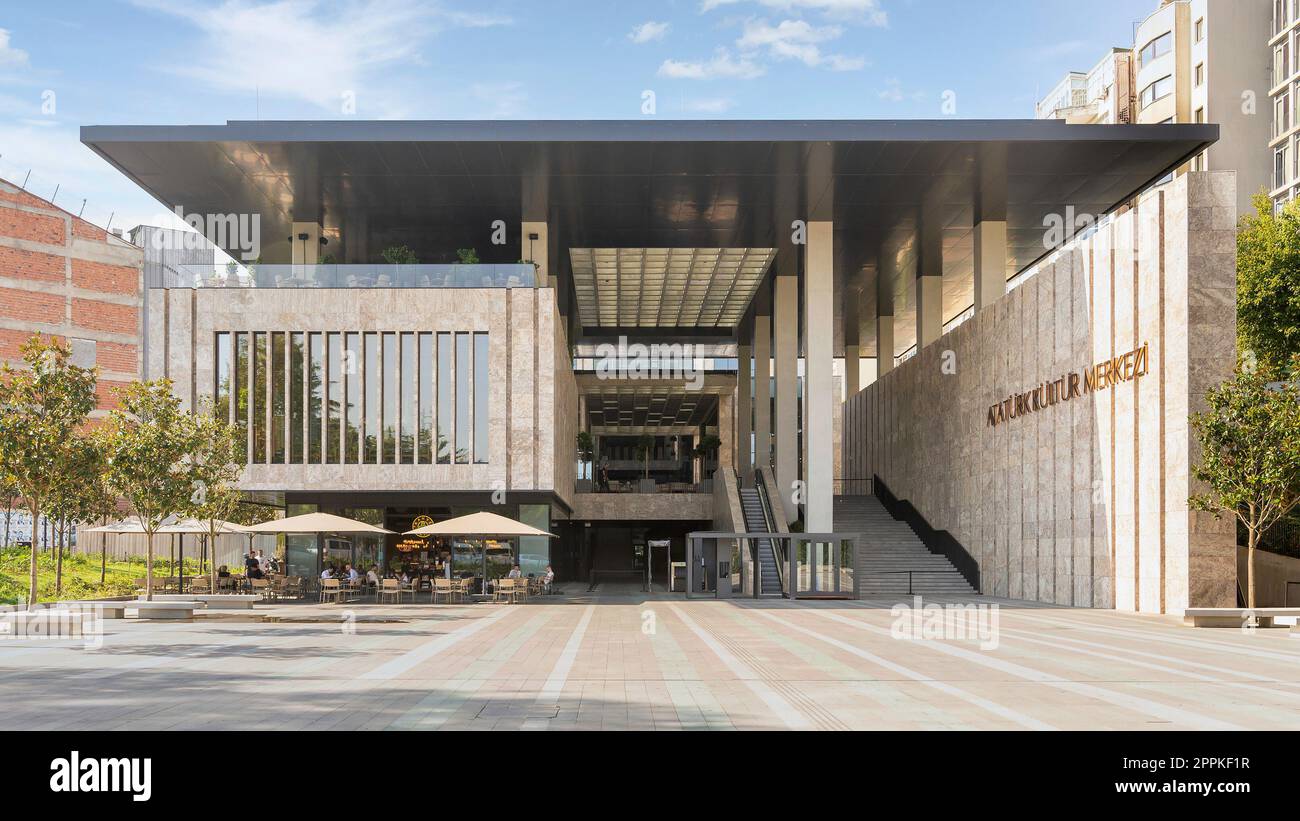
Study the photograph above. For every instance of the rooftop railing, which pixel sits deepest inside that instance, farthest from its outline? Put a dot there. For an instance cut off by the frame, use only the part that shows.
(381, 275)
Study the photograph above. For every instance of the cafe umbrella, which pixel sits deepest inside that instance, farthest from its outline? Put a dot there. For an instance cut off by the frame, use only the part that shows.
(171, 526)
(319, 524)
(481, 526)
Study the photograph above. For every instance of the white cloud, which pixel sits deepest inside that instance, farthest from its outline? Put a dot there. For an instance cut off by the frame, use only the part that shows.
(647, 31)
(866, 12)
(797, 40)
(722, 66)
(10, 56)
(309, 49)
(711, 105)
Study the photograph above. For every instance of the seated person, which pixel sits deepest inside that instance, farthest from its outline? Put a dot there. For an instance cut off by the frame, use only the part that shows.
(514, 573)
(223, 572)
(327, 573)
(351, 573)
(372, 576)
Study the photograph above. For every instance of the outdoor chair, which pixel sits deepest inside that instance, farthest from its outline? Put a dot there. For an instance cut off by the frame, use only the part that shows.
(260, 587)
(390, 588)
(329, 589)
(200, 584)
(441, 587)
(503, 589)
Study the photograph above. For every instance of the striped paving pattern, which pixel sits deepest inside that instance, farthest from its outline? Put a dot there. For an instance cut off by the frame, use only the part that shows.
(608, 662)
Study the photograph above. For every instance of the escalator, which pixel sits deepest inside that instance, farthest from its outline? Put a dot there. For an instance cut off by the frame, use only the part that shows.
(758, 519)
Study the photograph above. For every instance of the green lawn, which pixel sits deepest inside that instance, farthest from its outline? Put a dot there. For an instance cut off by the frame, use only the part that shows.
(80, 575)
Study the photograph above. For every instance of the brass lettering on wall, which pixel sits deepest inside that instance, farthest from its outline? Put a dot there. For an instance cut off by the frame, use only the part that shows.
(1092, 379)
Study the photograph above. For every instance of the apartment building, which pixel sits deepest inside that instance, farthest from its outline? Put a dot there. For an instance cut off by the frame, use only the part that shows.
(1197, 61)
(1284, 90)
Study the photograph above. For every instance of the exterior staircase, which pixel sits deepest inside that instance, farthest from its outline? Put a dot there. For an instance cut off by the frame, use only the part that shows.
(890, 546)
(756, 522)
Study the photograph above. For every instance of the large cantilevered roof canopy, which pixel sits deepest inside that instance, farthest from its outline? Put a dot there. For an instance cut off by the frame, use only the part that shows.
(648, 184)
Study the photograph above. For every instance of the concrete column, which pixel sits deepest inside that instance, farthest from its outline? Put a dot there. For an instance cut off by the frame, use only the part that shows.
(726, 431)
(991, 227)
(852, 349)
(537, 251)
(785, 329)
(819, 385)
(929, 283)
(763, 387)
(990, 263)
(885, 315)
(306, 251)
(744, 418)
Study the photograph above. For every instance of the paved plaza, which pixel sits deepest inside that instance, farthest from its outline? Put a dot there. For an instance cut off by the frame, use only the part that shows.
(624, 662)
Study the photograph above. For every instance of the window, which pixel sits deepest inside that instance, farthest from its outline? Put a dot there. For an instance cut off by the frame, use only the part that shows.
(444, 399)
(424, 449)
(225, 379)
(389, 456)
(409, 397)
(349, 397)
(278, 381)
(334, 398)
(315, 395)
(1200, 29)
(463, 434)
(1158, 47)
(297, 383)
(1279, 168)
(373, 382)
(352, 373)
(1159, 89)
(481, 439)
(257, 398)
(1199, 116)
(1199, 75)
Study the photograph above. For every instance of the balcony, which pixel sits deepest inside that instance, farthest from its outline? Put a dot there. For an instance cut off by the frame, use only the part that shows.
(382, 275)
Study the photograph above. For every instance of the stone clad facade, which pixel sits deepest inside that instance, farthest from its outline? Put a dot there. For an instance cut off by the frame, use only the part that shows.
(1083, 501)
(525, 344)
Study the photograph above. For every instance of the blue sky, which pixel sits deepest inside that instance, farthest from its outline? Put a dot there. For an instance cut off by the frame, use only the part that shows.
(68, 64)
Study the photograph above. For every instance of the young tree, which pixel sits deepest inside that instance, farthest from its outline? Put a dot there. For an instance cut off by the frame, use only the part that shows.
(43, 408)
(149, 444)
(586, 446)
(645, 446)
(1268, 284)
(218, 460)
(1250, 455)
(79, 494)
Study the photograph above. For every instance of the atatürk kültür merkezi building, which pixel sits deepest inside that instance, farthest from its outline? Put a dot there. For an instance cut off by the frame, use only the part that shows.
(941, 313)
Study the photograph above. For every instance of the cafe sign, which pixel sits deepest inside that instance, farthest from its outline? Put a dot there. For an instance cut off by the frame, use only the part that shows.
(413, 543)
(1105, 374)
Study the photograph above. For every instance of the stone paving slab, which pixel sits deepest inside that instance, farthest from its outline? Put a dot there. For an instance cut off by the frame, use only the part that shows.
(654, 662)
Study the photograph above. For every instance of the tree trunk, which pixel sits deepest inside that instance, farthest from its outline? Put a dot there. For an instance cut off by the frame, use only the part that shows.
(31, 590)
(148, 566)
(9, 514)
(61, 532)
(1250, 569)
(212, 559)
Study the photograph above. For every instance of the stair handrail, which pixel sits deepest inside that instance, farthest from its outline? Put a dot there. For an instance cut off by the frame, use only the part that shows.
(936, 541)
(760, 486)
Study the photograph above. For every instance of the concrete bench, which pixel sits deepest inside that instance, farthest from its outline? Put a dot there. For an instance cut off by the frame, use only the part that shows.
(104, 609)
(164, 609)
(52, 622)
(214, 601)
(1236, 616)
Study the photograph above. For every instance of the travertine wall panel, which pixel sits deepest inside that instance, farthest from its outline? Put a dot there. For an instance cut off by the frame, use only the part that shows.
(1083, 502)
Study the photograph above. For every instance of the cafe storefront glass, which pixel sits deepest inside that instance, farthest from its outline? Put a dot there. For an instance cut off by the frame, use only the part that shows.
(301, 552)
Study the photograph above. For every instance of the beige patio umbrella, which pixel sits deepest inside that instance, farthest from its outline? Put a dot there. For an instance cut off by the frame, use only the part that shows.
(479, 526)
(318, 523)
(172, 525)
(315, 523)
